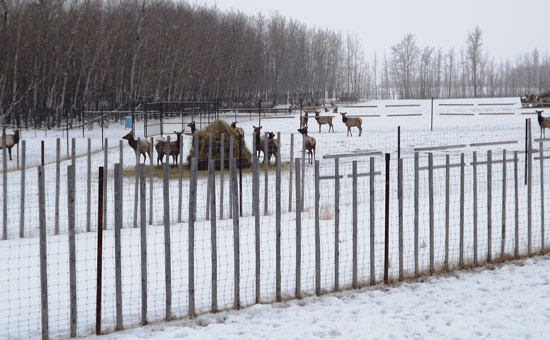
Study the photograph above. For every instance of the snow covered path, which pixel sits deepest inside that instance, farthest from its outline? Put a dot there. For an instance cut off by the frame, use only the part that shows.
(511, 301)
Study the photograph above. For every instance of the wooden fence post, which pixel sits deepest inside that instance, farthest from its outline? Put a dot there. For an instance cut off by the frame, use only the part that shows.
(516, 205)
(118, 259)
(222, 168)
(105, 182)
(180, 181)
(416, 206)
(387, 223)
(191, 236)
(461, 245)
(256, 213)
(541, 148)
(43, 253)
(89, 188)
(278, 224)
(208, 196)
(336, 224)
(99, 267)
(354, 226)
(22, 198)
(213, 237)
(447, 208)
(236, 244)
(167, 251)
(372, 222)
(503, 232)
(136, 186)
(57, 181)
(143, 234)
(4, 189)
(529, 191)
(400, 208)
(489, 205)
(151, 171)
(291, 169)
(298, 289)
(266, 177)
(230, 185)
(72, 246)
(317, 232)
(474, 169)
(431, 208)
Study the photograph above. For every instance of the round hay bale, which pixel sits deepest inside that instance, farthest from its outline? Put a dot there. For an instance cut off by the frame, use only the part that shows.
(216, 129)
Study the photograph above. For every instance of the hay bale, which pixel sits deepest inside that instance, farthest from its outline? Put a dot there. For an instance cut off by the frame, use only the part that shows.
(216, 129)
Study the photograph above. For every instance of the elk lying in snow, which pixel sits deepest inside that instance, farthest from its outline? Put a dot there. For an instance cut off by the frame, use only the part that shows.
(544, 122)
(174, 150)
(351, 122)
(11, 140)
(239, 130)
(303, 120)
(144, 146)
(309, 143)
(323, 120)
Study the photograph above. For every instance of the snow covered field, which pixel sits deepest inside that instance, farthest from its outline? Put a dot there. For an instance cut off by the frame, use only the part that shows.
(503, 302)
(470, 122)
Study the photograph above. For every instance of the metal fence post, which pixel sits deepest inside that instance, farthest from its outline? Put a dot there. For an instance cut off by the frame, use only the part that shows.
(474, 169)
(489, 205)
(503, 232)
(99, 277)
(461, 243)
(447, 208)
(336, 224)
(416, 206)
(167, 251)
(372, 222)
(541, 196)
(354, 226)
(236, 244)
(431, 208)
(191, 236)
(143, 236)
(256, 213)
(516, 206)
(278, 224)
(387, 223)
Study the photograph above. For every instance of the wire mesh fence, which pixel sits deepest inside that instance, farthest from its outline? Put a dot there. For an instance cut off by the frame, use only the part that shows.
(178, 242)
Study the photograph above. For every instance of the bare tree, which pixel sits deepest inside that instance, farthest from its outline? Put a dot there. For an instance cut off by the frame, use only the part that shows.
(474, 55)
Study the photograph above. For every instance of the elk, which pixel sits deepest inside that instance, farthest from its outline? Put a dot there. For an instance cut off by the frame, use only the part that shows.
(259, 140)
(303, 120)
(160, 146)
(544, 122)
(323, 120)
(272, 146)
(11, 140)
(309, 144)
(144, 146)
(239, 130)
(351, 122)
(192, 126)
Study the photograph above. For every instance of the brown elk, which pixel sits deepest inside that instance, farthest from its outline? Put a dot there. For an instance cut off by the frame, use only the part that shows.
(544, 122)
(11, 140)
(323, 120)
(352, 122)
(174, 149)
(309, 144)
(258, 139)
(272, 146)
(239, 130)
(192, 126)
(144, 146)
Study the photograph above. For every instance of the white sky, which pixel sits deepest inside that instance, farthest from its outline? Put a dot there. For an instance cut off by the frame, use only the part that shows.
(510, 27)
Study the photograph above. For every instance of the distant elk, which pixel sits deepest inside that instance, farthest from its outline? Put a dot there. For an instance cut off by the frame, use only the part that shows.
(323, 120)
(144, 146)
(352, 122)
(174, 149)
(544, 122)
(193, 127)
(304, 119)
(11, 140)
(272, 146)
(309, 144)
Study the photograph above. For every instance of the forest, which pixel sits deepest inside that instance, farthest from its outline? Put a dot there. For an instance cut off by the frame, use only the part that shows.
(60, 57)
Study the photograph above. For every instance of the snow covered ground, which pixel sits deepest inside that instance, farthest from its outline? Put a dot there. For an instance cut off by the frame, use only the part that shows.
(510, 301)
(459, 121)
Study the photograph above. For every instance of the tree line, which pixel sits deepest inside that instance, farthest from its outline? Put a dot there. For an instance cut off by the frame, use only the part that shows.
(60, 57)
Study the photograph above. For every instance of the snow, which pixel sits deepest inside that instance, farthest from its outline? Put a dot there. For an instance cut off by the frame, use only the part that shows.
(507, 301)
(19, 268)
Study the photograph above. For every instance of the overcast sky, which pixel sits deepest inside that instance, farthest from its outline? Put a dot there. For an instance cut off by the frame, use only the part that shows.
(510, 27)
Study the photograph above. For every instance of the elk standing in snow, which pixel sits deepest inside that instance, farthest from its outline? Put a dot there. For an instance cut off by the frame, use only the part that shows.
(351, 122)
(309, 143)
(323, 120)
(144, 146)
(160, 146)
(11, 140)
(544, 122)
